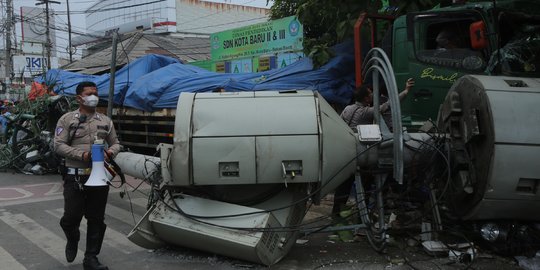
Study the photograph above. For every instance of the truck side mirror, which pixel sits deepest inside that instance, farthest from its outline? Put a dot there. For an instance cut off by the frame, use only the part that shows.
(477, 31)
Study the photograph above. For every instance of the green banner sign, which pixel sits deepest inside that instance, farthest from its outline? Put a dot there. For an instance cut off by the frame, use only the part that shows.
(283, 35)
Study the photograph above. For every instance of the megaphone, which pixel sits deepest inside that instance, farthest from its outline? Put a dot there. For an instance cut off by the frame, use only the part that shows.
(98, 177)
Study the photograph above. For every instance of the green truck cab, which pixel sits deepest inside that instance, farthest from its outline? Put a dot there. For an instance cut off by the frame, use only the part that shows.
(438, 46)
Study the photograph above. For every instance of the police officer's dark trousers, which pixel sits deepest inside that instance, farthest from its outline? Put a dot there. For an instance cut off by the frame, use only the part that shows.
(90, 202)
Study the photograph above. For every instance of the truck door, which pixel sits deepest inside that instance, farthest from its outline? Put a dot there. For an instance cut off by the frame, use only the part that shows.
(439, 53)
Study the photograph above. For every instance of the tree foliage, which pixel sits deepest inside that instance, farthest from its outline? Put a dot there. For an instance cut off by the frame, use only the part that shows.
(328, 22)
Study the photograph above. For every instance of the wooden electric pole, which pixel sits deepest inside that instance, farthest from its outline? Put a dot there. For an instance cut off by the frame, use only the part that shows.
(47, 30)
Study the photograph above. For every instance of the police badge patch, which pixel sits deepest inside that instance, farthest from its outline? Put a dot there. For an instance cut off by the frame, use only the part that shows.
(59, 130)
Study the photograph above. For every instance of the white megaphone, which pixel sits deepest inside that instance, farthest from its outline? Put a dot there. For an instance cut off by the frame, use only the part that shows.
(98, 177)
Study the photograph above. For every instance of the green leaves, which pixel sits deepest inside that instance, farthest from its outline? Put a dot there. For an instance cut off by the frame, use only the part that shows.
(320, 54)
(328, 22)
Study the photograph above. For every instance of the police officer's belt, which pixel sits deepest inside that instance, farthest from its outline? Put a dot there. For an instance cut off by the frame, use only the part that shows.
(79, 171)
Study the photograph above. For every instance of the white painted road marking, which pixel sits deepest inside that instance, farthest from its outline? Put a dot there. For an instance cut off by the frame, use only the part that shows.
(46, 240)
(24, 194)
(113, 238)
(8, 262)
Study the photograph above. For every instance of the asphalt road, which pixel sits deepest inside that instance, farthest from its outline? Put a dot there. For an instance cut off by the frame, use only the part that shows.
(31, 238)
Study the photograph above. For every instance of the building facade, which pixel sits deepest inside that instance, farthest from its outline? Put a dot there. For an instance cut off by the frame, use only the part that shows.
(189, 17)
(241, 38)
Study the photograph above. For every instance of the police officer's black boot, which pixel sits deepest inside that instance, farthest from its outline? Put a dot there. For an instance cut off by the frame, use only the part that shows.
(72, 245)
(94, 239)
(72, 235)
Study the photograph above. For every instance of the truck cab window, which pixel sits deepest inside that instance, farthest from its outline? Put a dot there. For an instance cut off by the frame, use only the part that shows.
(443, 40)
(519, 53)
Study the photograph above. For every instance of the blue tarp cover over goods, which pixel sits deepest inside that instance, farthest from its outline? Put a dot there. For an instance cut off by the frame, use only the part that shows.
(154, 82)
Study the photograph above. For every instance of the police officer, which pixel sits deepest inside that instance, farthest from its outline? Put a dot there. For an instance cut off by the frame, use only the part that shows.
(75, 133)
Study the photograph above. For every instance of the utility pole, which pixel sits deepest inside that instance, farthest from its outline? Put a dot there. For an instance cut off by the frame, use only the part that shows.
(69, 33)
(47, 30)
(8, 63)
(110, 101)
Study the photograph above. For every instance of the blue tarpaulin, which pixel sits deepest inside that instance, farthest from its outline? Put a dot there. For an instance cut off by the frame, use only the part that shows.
(154, 82)
(66, 82)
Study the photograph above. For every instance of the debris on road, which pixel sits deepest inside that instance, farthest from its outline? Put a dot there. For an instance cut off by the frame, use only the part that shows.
(26, 143)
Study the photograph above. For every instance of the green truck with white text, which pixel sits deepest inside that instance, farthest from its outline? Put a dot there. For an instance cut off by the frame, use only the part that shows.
(489, 37)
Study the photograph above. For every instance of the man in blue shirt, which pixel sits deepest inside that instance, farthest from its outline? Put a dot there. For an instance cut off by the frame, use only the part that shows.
(3, 120)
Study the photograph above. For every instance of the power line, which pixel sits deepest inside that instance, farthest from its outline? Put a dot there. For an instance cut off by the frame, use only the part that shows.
(203, 44)
(194, 46)
(146, 12)
(31, 20)
(65, 23)
(83, 2)
(101, 9)
(77, 2)
(54, 13)
(152, 11)
(113, 3)
(91, 11)
(47, 33)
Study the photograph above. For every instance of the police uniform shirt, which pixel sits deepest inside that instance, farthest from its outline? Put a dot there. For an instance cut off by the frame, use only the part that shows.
(96, 125)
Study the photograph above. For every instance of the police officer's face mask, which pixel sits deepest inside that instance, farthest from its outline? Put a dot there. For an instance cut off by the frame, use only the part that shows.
(90, 101)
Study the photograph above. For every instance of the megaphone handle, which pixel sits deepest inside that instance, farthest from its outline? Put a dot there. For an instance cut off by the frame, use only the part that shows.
(108, 155)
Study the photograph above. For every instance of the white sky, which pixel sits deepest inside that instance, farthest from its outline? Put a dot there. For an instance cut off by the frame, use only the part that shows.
(78, 21)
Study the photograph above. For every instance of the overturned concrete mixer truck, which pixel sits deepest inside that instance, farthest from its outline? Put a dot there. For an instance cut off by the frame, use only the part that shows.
(238, 183)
